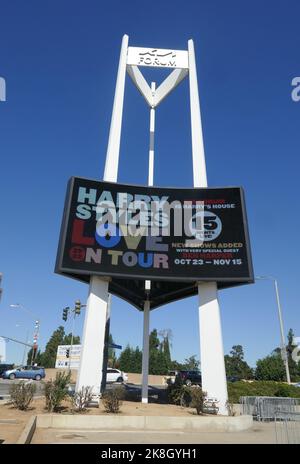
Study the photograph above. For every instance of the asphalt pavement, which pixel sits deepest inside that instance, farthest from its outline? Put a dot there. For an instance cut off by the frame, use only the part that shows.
(132, 391)
(6, 383)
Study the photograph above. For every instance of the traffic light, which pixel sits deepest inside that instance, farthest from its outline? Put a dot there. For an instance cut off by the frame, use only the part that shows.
(67, 352)
(77, 306)
(65, 313)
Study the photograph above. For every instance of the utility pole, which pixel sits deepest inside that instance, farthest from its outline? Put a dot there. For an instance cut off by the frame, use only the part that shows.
(76, 312)
(284, 355)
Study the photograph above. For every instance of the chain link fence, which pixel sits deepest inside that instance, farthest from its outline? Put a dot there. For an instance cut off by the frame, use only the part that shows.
(265, 408)
(287, 428)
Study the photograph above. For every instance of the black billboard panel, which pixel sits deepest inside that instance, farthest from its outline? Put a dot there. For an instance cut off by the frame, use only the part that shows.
(173, 237)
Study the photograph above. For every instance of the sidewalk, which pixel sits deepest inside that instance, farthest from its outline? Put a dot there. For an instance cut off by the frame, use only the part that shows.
(261, 433)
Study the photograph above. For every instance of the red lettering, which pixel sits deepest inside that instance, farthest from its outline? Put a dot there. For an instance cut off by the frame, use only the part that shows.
(78, 234)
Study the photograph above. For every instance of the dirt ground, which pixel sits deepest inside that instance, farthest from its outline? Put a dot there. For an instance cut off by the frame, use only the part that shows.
(13, 421)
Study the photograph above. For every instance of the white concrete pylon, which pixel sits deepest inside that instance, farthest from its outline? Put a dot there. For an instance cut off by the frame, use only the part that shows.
(145, 360)
(146, 313)
(93, 340)
(211, 343)
(90, 368)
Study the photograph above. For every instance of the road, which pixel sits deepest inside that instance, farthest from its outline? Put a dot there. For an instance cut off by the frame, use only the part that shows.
(133, 392)
(5, 385)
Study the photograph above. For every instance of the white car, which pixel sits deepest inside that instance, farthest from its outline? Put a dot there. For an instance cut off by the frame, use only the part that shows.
(114, 375)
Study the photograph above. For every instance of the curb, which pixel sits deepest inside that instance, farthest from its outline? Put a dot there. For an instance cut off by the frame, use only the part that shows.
(28, 431)
(117, 422)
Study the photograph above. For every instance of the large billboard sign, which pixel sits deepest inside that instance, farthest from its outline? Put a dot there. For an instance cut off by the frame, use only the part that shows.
(173, 237)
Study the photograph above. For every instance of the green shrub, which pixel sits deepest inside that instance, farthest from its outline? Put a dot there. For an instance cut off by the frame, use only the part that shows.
(21, 394)
(56, 390)
(175, 391)
(284, 391)
(82, 398)
(198, 397)
(111, 400)
(260, 388)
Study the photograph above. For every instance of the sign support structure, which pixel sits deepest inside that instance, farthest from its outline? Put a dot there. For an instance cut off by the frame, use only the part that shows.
(146, 313)
(211, 343)
(91, 361)
(181, 63)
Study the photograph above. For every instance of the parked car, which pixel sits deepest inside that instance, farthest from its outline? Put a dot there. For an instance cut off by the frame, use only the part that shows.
(192, 377)
(233, 379)
(25, 372)
(5, 367)
(170, 377)
(297, 384)
(114, 375)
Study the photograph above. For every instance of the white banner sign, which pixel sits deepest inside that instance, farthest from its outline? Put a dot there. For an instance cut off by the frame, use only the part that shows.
(157, 57)
(63, 362)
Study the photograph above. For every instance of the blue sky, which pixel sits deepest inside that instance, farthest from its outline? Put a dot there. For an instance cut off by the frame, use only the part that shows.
(59, 60)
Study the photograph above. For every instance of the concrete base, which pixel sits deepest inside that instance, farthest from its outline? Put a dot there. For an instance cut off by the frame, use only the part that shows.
(28, 432)
(197, 423)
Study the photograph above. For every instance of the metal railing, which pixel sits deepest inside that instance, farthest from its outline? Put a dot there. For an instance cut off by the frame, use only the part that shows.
(248, 405)
(287, 427)
(265, 408)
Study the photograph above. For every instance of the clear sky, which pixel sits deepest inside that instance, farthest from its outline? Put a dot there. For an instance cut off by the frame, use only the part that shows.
(59, 60)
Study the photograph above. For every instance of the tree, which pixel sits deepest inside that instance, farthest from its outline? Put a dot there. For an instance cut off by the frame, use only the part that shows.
(191, 363)
(125, 358)
(235, 364)
(130, 360)
(237, 352)
(137, 356)
(294, 368)
(57, 338)
(37, 359)
(270, 368)
(157, 362)
(166, 335)
(166, 351)
(68, 338)
(111, 352)
(177, 366)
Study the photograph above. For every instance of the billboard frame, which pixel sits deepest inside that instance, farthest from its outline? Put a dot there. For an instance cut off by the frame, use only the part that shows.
(69, 272)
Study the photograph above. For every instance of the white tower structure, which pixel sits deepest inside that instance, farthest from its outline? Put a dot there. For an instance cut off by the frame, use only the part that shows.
(181, 64)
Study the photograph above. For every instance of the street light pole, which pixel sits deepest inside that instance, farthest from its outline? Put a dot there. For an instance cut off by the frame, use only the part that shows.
(284, 351)
(35, 338)
(36, 328)
(282, 336)
(25, 349)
